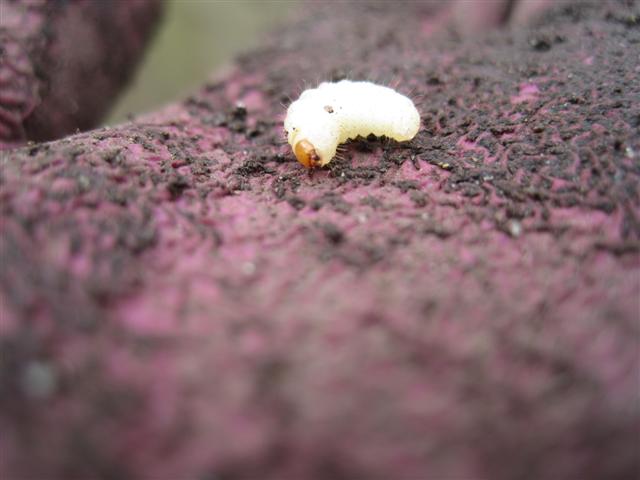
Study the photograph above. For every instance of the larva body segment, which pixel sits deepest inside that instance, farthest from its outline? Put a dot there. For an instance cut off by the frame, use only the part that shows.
(324, 117)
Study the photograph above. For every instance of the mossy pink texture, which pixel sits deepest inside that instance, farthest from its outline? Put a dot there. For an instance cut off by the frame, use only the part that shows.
(62, 63)
(182, 300)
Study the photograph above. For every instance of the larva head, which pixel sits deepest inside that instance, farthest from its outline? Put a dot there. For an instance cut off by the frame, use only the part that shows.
(306, 154)
(312, 133)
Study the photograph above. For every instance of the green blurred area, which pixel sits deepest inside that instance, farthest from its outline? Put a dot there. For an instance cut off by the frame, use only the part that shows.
(195, 37)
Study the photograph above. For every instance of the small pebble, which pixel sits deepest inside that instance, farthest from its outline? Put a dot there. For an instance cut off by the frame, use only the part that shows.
(39, 380)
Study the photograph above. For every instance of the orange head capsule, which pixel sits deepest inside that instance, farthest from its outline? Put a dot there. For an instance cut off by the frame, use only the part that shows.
(306, 154)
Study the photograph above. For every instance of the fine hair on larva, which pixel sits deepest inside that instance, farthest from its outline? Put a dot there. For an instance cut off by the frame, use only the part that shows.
(334, 112)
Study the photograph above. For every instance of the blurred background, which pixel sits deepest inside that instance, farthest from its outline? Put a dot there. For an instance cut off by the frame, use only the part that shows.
(195, 38)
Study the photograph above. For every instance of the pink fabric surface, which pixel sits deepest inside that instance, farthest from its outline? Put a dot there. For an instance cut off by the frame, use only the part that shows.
(63, 62)
(182, 300)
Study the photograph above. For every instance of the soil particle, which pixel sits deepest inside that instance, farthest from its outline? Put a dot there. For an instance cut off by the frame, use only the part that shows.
(333, 233)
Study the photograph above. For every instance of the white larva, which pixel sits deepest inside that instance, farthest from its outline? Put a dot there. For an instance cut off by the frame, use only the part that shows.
(324, 117)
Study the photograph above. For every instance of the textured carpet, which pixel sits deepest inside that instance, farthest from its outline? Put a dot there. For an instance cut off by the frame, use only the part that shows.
(182, 300)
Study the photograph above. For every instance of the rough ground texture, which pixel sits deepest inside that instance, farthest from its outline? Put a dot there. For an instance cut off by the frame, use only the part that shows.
(182, 300)
(62, 63)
